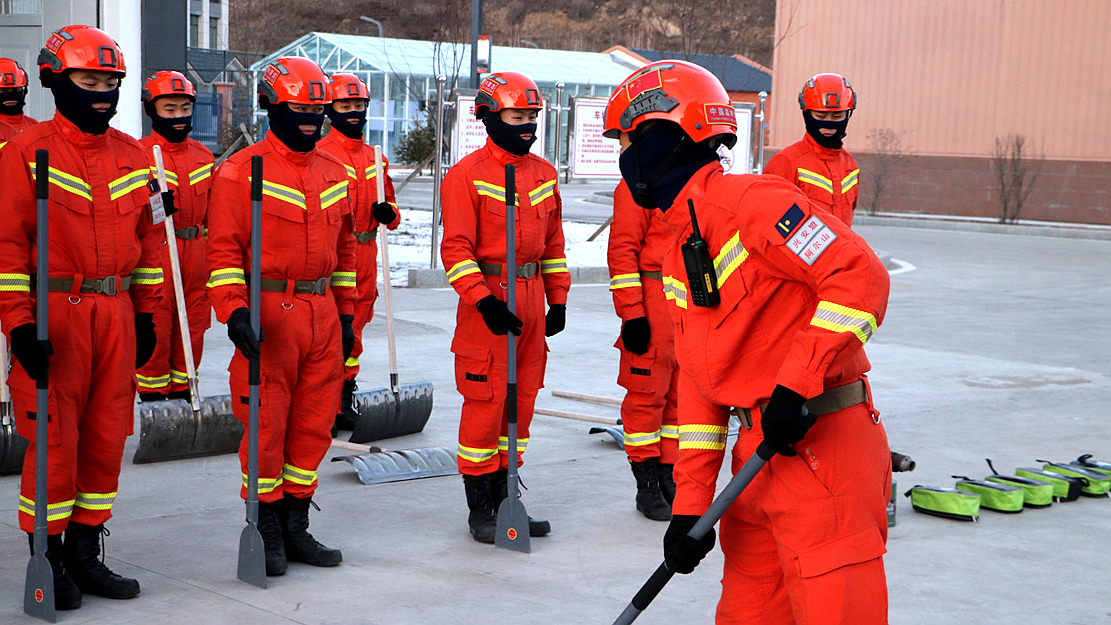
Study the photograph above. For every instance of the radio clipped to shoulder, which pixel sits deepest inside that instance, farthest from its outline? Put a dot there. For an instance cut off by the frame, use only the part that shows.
(701, 275)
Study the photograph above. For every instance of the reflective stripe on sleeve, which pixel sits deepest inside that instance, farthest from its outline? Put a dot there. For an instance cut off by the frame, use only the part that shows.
(702, 436)
(624, 281)
(676, 291)
(221, 277)
(461, 269)
(15, 282)
(148, 382)
(351, 362)
(816, 179)
(343, 279)
(669, 431)
(553, 265)
(146, 275)
(850, 181)
(838, 318)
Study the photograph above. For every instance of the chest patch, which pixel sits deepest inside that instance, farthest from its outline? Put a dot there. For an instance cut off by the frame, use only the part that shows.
(811, 240)
(789, 221)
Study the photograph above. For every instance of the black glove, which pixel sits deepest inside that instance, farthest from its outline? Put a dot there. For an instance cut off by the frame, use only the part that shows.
(635, 334)
(240, 333)
(783, 422)
(168, 202)
(29, 352)
(145, 339)
(384, 213)
(556, 319)
(497, 316)
(346, 323)
(681, 552)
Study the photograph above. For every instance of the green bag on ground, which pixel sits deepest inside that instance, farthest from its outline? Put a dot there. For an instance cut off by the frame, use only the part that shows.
(945, 502)
(1065, 488)
(1093, 483)
(1094, 465)
(1036, 493)
(998, 497)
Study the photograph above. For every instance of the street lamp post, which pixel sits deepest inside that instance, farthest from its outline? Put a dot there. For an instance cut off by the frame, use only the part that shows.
(373, 21)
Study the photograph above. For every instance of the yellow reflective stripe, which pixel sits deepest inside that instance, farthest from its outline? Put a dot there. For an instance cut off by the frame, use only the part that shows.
(637, 440)
(284, 193)
(333, 194)
(371, 171)
(54, 511)
(541, 193)
(127, 183)
(816, 179)
(67, 182)
(200, 173)
(180, 377)
(624, 281)
(15, 282)
(298, 475)
(3, 143)
(461, 269)
(475, 454)
(850, 181)
(675, 290)
(146, 275)
(553, 265)
(669, 431)
(489, 190)
(171, 178)
(221, 277)
(95, 501)
(265, 484)
(351, 362)
(838, 318)
(153, 382)
(503, 444)
(354, 175)
(343, 279)
(702, 436)
(732, 254)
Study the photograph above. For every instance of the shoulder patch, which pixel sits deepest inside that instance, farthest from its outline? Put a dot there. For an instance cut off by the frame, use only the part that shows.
(789, 221)
(811, 239)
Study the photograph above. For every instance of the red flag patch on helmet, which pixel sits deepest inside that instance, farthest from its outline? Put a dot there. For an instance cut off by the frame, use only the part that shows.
(644, 82)
(721, 114)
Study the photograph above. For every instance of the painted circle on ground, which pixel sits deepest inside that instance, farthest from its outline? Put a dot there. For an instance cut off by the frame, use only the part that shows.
(512, 534)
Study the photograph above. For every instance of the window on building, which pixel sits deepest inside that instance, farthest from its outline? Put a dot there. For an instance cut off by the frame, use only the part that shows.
(195, 31)
(20, 7)
(214, 8)
(214, 33)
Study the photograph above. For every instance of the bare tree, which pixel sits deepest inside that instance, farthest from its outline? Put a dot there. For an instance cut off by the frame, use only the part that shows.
(1017, 171)
(888, 157)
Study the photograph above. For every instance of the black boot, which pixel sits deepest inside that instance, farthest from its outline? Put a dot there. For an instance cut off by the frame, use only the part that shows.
(149, 397)
(180, 395)
(483, 519)
(667, 482)
(270, 526)
(82, 558)
(348, 416)
(650, 501)
(501, 491)
(300, 546)
(67, 596)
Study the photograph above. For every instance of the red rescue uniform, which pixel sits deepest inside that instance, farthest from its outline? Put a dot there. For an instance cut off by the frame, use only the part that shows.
(473, 253)
(800, 295)
(358, 157)
(828, 177)
(12, 125)
(639, 240)
(306, 236)
(100, 229)
(189, 175)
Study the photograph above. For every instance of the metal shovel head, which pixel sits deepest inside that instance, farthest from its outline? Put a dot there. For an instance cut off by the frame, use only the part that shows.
(405, 464)
(512, 530)
(385, 415)
(169, 430)
(38, 594)
(617, 434)
(12, 449)
(252, 557)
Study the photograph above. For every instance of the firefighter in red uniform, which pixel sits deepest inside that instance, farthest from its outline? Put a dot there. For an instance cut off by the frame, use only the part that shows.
(639, 240)
(13, 97)
(818, 165)
(168, 98)
(348, 114)
(105, 284)
(473, 252)
(800, 294)
(308, 300)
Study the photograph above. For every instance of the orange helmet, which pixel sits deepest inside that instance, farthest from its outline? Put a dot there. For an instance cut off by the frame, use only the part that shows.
(294, 80)
(81, 47)
(827, 92)
(12, 74)
(347, 87)
(507, 90)
(168, 83)
(675, 91)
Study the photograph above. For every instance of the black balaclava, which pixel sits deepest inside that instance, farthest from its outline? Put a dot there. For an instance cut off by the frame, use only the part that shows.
(350, 124)
(20, 98)
(507, 136)
(284, 124)
(814, 126)
(165, 125)
(76, 104)
(660, 162)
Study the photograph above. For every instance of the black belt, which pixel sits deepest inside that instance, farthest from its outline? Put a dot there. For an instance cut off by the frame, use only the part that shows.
(101, 286)
(366, 237)
(309, 287)
(188, 234)
(831, 400)
(653, 275)
(526, 270)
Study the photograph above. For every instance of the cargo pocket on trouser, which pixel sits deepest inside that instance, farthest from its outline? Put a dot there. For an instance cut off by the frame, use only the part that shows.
(842, 581)
(472, 371)
(637, 371)
(25, 405)
(271, 437)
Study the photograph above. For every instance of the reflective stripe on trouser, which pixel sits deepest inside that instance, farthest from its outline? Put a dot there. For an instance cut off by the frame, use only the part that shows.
(92, 369)
(366, 278)
(648, 412)
(167, 363)
(481, 374)
(823, 565)
(302, 367)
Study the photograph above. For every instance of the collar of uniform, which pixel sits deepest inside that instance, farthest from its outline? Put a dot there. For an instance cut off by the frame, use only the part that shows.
(169, 146)
(500, 155)
(348, 143)
(75, 135)
(678, 217)
(12, 120)
(297, 158)
(825, 154)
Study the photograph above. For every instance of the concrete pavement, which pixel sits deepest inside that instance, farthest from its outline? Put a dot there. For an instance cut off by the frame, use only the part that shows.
(994, 346)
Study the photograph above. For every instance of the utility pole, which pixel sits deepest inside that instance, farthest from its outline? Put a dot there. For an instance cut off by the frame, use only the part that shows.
(476, 30)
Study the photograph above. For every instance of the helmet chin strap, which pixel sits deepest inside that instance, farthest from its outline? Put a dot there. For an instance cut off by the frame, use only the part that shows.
(643, 190)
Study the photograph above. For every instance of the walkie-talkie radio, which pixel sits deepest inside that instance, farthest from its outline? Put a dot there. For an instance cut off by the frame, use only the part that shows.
(701, 276)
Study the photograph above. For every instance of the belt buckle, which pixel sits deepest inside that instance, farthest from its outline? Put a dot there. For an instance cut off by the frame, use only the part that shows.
(527, 270)
(744, 416)
(320, 287)
(108, 285)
